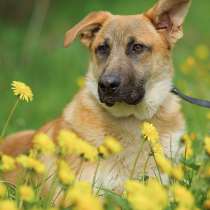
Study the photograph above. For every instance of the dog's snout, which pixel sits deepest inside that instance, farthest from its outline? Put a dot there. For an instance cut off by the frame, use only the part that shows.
(109, 83)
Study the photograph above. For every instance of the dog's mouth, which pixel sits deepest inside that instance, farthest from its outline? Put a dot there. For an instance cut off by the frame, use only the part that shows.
(130, 97)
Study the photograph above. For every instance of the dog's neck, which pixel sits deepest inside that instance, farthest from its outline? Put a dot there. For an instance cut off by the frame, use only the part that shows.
(156, 94)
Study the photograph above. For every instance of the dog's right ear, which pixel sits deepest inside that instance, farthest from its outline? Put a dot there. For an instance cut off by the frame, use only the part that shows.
(86, 28)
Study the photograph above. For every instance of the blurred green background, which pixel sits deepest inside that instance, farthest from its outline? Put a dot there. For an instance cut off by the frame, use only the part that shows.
(31, 50)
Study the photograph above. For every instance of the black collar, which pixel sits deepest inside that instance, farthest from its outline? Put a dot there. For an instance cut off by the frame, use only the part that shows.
(199, 102)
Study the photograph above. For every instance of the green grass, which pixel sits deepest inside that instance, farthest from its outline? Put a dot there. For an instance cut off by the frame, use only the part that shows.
(51, 70)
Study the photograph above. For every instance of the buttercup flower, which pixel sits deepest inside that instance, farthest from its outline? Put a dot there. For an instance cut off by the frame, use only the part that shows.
(43, 143)
(7, 163)
(8, 205)
(149, 132)
(22, 90)
(3, 190)
(65, 174)
(31, 163)
(26, 193)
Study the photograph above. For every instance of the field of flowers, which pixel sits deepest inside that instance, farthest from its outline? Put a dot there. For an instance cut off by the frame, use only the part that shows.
(188, 187)
(32, 51)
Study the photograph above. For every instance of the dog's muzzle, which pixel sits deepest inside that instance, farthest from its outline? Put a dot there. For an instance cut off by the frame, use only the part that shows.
(111, 90)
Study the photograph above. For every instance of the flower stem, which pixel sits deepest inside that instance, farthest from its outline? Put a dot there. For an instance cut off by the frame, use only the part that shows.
(9, 118)
(145, 166)
(95, 174)
(136, 159)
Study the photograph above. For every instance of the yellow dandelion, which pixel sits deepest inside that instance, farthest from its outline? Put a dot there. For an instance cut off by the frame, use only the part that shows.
(42, 143)
(208, 115)
(74, 193)
(87, 151)
(7, 163)
(112, 145)
(65, 174)
(8, 205)
(206, 204)
(27, 193)
(67, 141)
(188, 65)
(149, 132)
(3, 190)
(163, 164)
(22, 90)
(202, 52)
(103, 151)
(207, 144)
(81, 82)
(139, 195)
(186, 138)
(177, 172)
(183, 196)
(31, 163)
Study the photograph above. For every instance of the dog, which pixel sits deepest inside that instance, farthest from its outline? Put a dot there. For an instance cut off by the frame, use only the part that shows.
(128, 82)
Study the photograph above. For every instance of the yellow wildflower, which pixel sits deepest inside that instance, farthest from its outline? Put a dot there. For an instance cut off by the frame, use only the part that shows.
(208, 115)
(177, 172)
(186, 138)
(164, 164)
(67, 140)
(103, 151)
(188, 152)
(149, 132)
(74, 193)
(139, 195)
(207, 144)
(3, 190)
(202, 52)
(65, 174)
(87, 151)
(43, 143)
(183, 196)
(31, 163)
(7, 205)
(22, 90)
(81, 82)
(7, 163)
(70, 143)
(188, 65)
(26, 193)
(206, 204)
(112, 145)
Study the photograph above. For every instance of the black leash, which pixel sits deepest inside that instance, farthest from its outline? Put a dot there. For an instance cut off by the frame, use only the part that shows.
(199, 102)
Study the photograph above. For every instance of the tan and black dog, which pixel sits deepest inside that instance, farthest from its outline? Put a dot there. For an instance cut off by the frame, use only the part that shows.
(128, 82)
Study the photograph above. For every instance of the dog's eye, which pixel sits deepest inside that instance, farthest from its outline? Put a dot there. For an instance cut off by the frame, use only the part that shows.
(137, 48)
(103, 49)
(134, 48)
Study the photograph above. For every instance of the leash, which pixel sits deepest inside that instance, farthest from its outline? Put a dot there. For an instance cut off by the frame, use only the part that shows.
(196, 101)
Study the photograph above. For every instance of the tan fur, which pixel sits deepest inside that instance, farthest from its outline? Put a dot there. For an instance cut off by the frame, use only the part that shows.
(92, 120)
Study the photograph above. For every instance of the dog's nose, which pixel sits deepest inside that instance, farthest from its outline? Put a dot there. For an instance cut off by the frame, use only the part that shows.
(109, 83)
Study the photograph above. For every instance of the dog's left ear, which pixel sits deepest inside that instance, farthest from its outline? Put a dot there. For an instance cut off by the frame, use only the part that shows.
(168, 17)
(87, 28)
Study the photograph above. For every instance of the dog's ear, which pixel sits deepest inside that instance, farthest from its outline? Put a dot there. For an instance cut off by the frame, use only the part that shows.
(168, 17)
(86, 28)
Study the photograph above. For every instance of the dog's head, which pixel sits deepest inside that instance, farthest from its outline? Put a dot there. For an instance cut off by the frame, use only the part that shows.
(131, 68)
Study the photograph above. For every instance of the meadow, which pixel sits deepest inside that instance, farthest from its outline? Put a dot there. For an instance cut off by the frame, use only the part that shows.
(32, 51)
